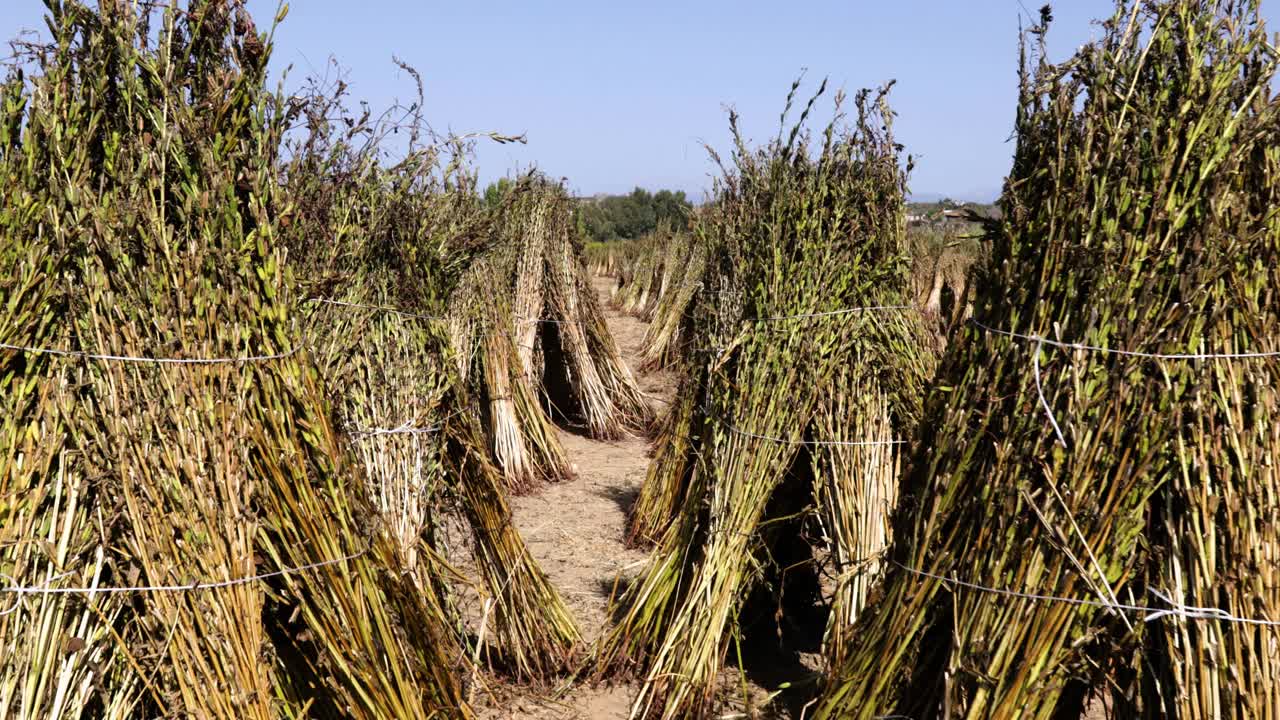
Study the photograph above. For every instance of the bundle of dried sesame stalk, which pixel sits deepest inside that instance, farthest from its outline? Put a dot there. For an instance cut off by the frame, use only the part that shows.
(185, 444)
(735, 483)
(564, 346)
(1087, 445)
(411, 233)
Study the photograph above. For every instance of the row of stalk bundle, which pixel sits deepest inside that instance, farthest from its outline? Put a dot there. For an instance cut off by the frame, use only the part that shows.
(1083, 507)
(759, 482)
(657, 278)
(237, 411)
(657, 283)
(1119, 449)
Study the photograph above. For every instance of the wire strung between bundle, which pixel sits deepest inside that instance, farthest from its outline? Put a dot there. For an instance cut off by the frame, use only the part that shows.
(42, 589)
(832, 313)
(406, 429)
(433, 318)
(147, 360)
(1041, 341)
(383, 308)
(810, 443)
(1146, 613)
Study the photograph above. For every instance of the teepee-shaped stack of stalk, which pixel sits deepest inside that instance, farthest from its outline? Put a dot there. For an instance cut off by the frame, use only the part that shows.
(485, 332)
(637, 292)
(406, 232)
(783, 365)
(682, 280)
(604, 258)
(180, 444)
(562, 343)
(659, 276)
(1088, 444)
(657, 266)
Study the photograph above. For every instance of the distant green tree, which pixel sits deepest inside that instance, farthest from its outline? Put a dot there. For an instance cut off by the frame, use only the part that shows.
(622, 217)
(494, 193)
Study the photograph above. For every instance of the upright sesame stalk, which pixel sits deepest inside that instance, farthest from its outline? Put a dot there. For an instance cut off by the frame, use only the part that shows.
(413, 240)
(485, 330)
(561, 333)
(53, 649)
(774, 330)
(1138, 220)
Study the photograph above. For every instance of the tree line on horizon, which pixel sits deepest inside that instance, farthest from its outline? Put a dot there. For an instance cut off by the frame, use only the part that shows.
(604, 218)
(634, 215)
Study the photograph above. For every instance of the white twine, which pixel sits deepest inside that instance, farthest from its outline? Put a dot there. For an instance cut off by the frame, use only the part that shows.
(42, 589)
(846, 311)
(816, 443)
(146, 360)
(1130, 353)
(548, 321)
(405, 429)
(1041, 341)
(18, 601)
(1146, 613)
(1044, 402)
(383, 308)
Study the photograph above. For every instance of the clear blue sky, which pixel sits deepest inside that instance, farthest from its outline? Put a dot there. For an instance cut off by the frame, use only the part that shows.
(614, 95)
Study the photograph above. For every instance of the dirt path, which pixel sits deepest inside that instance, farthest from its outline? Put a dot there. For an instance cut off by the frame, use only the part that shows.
(576, 530)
